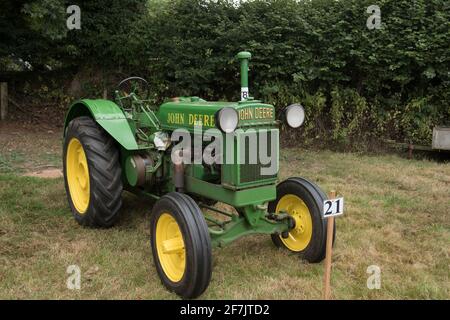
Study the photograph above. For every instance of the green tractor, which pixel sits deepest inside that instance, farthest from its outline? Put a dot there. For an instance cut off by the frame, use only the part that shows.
(130, 144)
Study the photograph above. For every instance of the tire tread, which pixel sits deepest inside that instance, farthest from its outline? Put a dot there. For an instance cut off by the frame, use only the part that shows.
(104, 173)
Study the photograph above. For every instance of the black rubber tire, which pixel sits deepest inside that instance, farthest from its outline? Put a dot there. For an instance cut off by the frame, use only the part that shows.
(105, 177)
(194, 230)
(313, 197)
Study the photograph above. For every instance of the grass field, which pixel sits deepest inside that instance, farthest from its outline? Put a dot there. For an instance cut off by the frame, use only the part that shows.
(397, 217)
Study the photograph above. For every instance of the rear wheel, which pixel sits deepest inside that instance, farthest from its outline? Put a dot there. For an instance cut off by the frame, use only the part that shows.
(181, 245)
(303, 200)
(92, 174)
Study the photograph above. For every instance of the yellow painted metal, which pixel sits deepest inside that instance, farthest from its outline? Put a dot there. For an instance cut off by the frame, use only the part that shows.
(77, 173)
(170, 247)
(301, 235)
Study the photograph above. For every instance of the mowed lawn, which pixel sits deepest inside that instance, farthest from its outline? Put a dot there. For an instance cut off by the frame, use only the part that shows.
(397, 217)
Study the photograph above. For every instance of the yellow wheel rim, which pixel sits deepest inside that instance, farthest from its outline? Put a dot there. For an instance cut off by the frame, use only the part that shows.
(77, 173)
(300, 236)
(170, 247)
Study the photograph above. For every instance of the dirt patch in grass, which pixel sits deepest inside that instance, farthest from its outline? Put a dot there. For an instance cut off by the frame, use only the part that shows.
(396, 217)
(46, 173)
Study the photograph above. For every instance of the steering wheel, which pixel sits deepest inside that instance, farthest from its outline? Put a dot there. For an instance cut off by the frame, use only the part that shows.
(137, 85)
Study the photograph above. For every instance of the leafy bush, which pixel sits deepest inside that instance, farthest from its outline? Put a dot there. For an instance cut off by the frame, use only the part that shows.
(356, 84)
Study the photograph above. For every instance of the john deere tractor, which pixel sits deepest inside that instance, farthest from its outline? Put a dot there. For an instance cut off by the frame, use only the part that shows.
(130, 144)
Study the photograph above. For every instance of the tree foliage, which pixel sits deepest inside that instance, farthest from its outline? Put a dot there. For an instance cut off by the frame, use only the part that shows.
(356, 83)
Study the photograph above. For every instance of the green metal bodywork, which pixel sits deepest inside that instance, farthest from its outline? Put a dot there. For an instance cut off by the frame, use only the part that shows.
(134, 128)
(235, 198)
(109, 116)
(188, 112)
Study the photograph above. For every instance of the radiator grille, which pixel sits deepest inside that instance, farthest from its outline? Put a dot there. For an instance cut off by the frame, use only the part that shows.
(253, 172)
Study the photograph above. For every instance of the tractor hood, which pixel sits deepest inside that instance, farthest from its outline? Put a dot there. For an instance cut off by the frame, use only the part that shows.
(188, 112)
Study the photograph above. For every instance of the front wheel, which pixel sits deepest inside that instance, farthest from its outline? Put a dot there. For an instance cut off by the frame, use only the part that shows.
(303, 200)
(181, 245)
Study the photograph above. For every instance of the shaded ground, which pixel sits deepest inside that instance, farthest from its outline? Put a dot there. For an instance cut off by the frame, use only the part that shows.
(29, 148)
(397, 217)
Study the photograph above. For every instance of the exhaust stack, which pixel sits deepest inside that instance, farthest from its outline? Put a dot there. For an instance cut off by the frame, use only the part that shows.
(244, 56)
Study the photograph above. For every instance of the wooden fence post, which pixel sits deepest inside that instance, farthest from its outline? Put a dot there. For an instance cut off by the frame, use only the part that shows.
(3, 100)
(329, 249)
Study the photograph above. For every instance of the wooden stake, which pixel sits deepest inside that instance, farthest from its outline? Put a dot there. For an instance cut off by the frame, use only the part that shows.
(3, 100)
(329, 249)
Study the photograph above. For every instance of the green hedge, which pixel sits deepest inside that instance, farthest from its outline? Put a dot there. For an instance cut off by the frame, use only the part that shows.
(357, 84)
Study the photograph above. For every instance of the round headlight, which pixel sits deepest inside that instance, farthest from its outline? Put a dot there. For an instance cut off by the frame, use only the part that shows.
(227, 119)
(295, 115)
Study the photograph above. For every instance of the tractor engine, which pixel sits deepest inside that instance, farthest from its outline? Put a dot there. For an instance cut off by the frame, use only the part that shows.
(238, 164)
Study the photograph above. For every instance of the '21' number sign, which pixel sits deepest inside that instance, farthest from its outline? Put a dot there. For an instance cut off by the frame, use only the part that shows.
(333, 207)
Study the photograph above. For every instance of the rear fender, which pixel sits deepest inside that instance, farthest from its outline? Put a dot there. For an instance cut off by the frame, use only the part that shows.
(109, 116)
